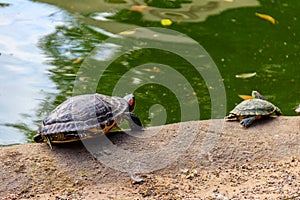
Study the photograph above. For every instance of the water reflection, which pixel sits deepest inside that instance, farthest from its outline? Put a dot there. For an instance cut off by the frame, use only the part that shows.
(178, 10)
(230, 37)
(195, 11)
(41, 52)
(132, 11)
(23, 75)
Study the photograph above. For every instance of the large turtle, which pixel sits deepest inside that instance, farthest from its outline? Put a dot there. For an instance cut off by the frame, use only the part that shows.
(252, 109)
(83, 116)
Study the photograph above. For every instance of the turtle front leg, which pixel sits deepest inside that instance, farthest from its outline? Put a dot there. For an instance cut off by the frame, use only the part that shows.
(247, 121)
(134, 122)
(48, 141)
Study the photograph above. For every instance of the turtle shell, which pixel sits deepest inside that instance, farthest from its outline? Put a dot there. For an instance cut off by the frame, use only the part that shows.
(89, 112)
(253, 107)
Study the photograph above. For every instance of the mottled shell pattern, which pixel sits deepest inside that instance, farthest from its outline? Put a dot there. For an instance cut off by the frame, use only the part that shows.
(78, 115)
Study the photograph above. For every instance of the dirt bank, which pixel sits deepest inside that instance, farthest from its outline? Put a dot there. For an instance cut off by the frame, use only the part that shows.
(261, 162)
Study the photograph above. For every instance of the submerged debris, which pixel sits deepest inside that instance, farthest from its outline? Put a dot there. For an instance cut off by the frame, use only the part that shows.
(138, 8)
(245, 75)
(78, 60)
(154, 69)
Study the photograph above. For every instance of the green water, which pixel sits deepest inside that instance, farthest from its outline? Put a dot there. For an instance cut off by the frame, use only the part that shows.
(236, 39)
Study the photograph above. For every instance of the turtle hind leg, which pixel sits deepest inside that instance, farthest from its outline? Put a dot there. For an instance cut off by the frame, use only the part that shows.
(134, 122)
(246, 122)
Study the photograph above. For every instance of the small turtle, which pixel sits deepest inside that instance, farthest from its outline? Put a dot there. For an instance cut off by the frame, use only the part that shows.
(252, 109)
(83, 116)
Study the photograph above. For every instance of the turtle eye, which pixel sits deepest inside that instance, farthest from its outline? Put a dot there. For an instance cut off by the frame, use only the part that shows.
(259, 96)
(131, 104)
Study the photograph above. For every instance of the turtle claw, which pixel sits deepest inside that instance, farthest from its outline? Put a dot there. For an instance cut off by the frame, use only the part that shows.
(247, 121)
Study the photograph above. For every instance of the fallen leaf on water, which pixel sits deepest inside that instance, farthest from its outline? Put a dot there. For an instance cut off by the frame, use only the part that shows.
(154, 69)
(245, 97)
(127, 33)
(245, 75)
(166, 22)
(138, 8)
(266, 17)
(78, 60)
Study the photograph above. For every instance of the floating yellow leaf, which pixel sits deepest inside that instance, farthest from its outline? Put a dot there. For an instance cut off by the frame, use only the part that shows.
(245, 97)
(266, 17)
(166, 22)
(245, 75)
(78, 60)
(138, 8)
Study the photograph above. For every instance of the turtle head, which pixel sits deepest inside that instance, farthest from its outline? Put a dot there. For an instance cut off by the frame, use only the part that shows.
(257, 95)
(131, 101)
(38, 138)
